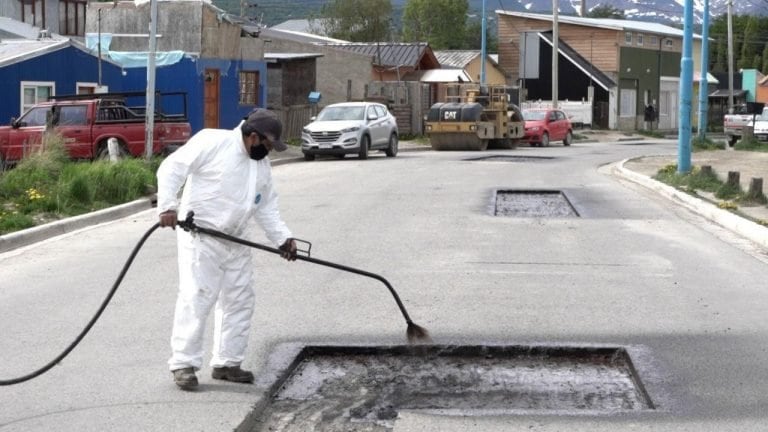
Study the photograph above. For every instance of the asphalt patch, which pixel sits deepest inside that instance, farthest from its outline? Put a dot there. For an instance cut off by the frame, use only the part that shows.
(533, 203)
(364, 388)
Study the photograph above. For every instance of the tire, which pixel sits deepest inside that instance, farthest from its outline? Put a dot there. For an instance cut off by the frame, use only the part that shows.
(732, 140)
(544, 140)
(364, 144)
(309, 157)
(391, 150)
(568, 139)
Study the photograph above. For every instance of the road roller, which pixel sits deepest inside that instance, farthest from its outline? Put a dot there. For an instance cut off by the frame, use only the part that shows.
(476, 118)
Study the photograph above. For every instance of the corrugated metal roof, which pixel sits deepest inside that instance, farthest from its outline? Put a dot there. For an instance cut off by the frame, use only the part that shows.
(298, 36)
(455, 58)
(17, 50)
(387, 53)
(445, 75)
(606, 23)
(302, 26)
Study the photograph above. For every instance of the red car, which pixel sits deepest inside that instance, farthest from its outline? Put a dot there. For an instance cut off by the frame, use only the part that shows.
(545, 125)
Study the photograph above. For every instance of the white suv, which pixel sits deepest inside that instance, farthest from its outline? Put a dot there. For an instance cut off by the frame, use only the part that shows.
(350, 127)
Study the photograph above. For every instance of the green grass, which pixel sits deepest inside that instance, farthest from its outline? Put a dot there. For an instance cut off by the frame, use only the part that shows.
(751, 144)
(48, 183)
(698, 180)
(699, 144)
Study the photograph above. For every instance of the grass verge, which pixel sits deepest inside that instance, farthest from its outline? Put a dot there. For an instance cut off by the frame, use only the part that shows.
(47, 186)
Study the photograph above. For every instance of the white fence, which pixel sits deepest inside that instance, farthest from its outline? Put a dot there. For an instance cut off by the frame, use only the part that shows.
(580, 113)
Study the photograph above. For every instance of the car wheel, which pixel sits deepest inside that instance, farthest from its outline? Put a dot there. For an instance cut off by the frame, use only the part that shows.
(309, 157)
(732, 141)
(364, 143)
(2, 163)
(568, 139)
(103, 151)
(391, 150)
(544, 140)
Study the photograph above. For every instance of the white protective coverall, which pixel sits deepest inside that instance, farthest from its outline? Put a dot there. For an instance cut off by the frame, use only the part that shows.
(225, 188)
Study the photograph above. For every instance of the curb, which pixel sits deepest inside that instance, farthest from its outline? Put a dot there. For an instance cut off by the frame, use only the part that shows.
(38, 233)
(737, 224)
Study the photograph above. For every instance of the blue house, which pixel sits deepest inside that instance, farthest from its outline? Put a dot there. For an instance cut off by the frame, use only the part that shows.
(216, 58)
(31, 70)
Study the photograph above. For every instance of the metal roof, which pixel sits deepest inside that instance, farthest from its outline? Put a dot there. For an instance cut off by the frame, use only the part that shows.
(274, 57)
(296, 36)
(302, 26)
(445, 75)
(455, 58)
(605, 23)
(18, 50)
(580, 62)
(388, 53)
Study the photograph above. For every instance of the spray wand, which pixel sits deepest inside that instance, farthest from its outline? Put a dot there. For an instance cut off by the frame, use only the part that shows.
(414, 333)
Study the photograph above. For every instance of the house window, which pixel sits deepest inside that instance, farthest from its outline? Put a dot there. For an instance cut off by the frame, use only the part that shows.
(34, 92)
(640, 39)
(72, 17)
(628, 38)
(653, 40)
(33, 12)
(669, 43)
(86, 88)
(249, 87)
(628, 103)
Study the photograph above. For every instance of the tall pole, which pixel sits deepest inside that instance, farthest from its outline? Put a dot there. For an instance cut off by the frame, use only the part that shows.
(99, 45)
(482, 49)
(704, 70)
(730, 54)
(686, 90)
(555, 38)
(150, 111)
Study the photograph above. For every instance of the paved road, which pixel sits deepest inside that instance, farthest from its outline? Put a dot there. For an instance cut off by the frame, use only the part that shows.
(685, 296)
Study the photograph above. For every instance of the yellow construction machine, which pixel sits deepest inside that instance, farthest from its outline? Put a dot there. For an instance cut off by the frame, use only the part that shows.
(475, 117)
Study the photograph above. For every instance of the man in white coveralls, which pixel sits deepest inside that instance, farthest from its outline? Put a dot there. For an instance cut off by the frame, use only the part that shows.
(227, 181)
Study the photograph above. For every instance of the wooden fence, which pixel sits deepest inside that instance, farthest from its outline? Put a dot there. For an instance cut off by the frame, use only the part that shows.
(294, 118)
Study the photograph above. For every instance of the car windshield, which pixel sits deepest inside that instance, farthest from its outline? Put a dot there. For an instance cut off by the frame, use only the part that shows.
(336, 113)
(534, 115)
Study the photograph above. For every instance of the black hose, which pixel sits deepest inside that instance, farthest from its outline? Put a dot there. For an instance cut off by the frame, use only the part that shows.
(414, 332)
(93, 320)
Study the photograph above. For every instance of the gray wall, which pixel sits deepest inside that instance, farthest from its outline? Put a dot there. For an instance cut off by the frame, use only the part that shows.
(334, 69)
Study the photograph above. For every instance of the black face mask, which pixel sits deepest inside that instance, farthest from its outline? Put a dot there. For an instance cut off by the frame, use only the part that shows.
(259, 152)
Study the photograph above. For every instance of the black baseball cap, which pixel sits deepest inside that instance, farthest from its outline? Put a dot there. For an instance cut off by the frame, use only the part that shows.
(265, 122)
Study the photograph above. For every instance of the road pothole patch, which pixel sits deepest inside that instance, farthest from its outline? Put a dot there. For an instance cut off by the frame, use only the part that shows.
(533, 203)
(363, 388)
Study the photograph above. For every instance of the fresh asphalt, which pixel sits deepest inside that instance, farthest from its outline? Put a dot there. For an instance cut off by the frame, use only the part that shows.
(145, 409)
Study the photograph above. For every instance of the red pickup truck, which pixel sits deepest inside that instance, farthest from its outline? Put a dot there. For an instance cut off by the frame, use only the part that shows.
(87, 122)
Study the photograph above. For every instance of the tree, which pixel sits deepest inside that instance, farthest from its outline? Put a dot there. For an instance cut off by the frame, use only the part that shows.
(473, 37)
(442, 23)
(764, 68)
(357, 20)
(605, 11)
(748, 49)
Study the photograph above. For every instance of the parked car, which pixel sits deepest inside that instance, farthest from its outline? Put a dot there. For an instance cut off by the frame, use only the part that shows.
(742, 116)
(543, 126)
(87, 122)
(350, 128)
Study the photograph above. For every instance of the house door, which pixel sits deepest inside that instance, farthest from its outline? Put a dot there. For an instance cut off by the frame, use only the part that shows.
(211, 98)
(668, 105)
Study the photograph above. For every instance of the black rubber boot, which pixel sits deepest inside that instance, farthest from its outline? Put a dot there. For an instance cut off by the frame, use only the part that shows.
(233, 373)
(185, 378)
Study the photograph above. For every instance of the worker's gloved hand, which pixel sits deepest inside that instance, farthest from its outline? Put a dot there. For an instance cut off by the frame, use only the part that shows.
(288, 250)
(168, 218)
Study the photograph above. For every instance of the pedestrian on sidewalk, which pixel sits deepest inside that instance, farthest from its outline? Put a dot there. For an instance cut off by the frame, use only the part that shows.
(227, 182)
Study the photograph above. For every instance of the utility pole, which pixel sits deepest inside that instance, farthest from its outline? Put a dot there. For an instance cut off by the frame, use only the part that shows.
(482, 49)
(555, 38)
(686, 90)
(99, 45)
(730, 54)
(704, 70)
(150, 111)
